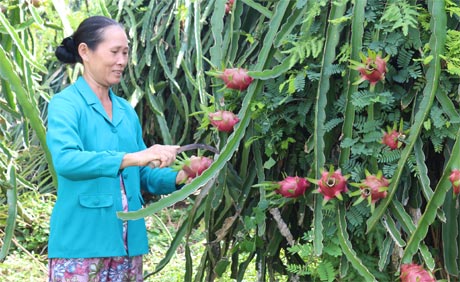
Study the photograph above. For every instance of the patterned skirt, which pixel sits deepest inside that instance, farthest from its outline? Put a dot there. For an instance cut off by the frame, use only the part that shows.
(110, 269)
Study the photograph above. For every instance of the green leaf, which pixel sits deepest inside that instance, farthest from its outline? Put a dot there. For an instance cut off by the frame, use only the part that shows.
(435, 202)
(29, 109)
(347, 248)
(18, 42)
(12, 201)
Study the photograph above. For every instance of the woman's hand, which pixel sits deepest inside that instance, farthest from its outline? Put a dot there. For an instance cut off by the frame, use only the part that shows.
(156, 155)
(159, 155)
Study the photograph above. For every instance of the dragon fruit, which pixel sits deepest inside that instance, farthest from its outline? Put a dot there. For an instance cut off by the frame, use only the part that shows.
(455, 179)
(236, 78)
(223, 120)
(195, 166)
(292, 186)
(373, 188)
(331, 184)
(412, 272)
(390, 139)
(229, 6)
(371, 68)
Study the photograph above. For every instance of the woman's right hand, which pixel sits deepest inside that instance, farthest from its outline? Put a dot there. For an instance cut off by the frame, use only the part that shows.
(158, 155)
(155, 156)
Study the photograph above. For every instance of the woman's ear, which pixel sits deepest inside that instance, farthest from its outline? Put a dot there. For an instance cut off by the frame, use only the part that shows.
(83, 51)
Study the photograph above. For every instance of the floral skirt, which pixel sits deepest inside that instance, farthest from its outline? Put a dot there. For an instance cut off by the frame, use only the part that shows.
(110, 269)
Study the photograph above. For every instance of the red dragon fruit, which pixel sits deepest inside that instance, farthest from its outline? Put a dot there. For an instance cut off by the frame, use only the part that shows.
(331, 184)
(196, 165)
(372, 68)
(229, 6)
(292, 186)
(412, 272)
(455, 179)
(236, 78)
(373, 188)
(390, 139)
(223, 120)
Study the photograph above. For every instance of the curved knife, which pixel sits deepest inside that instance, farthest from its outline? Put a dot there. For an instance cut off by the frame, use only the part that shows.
(188, 147)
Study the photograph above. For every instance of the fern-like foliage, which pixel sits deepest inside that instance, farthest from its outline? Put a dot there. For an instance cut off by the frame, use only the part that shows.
(401, 15)
(452, 55)
(326, 271)
(332, 124)
(311, 47)
(363, 99)
(389, 156)
(357, 215)
(389, 170)
(412, 165)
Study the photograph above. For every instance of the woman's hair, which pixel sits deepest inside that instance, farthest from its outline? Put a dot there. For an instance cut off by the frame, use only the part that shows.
(90, 31)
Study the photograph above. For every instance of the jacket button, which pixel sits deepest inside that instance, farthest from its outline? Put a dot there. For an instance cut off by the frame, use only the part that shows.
(114, 130)
(96, 202)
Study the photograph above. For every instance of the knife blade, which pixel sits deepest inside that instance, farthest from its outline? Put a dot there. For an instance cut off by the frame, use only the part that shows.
(196, 146)
(188, 147)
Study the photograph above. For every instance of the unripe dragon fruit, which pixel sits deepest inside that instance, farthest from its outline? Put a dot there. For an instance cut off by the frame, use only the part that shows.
(455, 179)
(229, 6)
(332, 184)
(373, 188)
(371, 68)
(196, 165)
(223, 120)
(292, 186)
(412, 272)
(236, 78)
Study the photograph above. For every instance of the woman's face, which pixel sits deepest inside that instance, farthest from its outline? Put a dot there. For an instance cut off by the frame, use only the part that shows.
(104, 65)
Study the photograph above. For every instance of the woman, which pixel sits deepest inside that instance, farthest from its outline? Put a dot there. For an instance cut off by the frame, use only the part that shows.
(101, 162)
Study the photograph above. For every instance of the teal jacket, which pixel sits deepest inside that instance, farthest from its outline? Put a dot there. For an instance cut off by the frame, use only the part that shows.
(87, 149)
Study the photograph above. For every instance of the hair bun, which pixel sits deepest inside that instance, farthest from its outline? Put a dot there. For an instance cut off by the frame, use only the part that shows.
(67, 51)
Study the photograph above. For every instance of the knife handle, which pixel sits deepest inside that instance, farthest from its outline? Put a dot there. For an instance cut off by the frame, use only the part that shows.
(155, 164)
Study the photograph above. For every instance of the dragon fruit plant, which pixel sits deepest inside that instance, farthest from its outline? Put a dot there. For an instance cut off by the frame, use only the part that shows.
(371, 68)
(455, 180)
(372, 188)
(331, 184)
(224, 121)
(412, 272)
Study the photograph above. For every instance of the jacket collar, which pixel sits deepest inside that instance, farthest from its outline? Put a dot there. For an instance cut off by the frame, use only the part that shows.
(91, 99)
